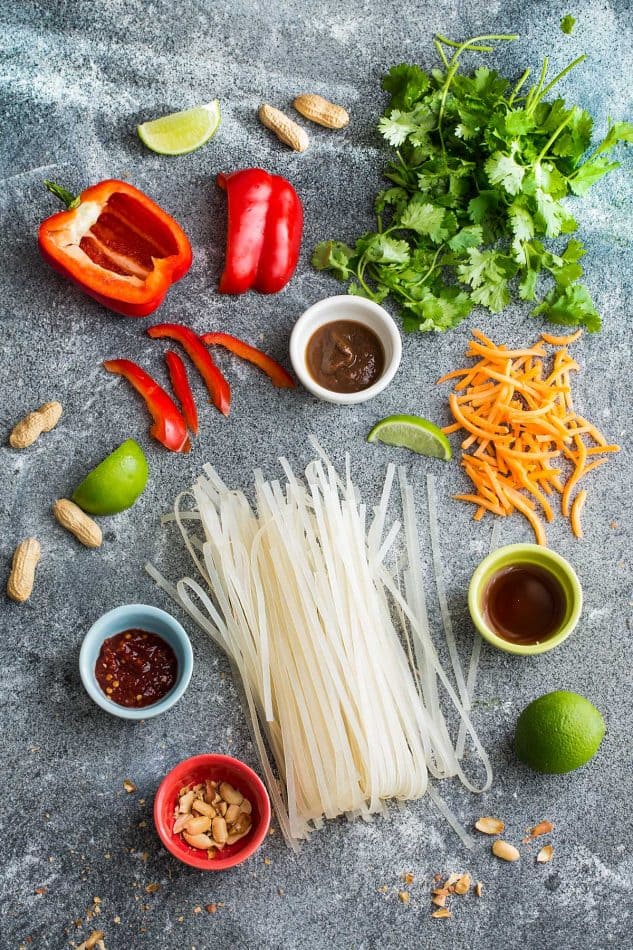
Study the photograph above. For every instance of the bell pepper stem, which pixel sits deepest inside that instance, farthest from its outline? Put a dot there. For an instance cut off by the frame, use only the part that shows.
(70, 200)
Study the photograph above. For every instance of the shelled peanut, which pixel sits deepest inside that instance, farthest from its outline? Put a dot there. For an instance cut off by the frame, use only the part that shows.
(211, 815)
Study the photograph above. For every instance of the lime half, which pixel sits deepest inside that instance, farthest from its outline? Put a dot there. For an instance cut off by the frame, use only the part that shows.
(412, 432)
(181, 132)
(115, 483)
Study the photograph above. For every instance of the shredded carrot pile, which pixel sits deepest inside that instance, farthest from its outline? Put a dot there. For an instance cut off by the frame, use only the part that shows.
(521, 426)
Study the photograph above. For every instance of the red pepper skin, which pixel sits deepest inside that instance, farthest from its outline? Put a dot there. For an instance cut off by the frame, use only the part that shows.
(271, 367)
(182, 389)
(264, 232)
(118, 246)
(169, 428)
(217, 386)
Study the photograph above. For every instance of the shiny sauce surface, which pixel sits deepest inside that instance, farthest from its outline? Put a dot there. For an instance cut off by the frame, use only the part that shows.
(345, 356)
(524, 603)
(136, 668)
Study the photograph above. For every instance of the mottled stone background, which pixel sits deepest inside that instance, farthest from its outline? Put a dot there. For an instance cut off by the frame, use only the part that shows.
(76, 78)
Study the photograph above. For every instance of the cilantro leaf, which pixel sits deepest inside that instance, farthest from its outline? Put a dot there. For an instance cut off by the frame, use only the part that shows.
(424, 218)
(386, 250)
(469, 236)
(589, 173)
(334, 256)
(571, 306)
(567, 23)
(504, 170)
(406, 84)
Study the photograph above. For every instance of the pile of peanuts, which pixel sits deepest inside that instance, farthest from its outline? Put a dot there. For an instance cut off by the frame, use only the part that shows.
(212, 815)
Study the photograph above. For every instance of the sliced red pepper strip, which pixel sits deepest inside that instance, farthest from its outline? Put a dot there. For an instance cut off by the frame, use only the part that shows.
(265, 221)
(117, 245)
(217, 386)
(169, 428)
(248, 193)
(271, 367)
(182, 389)
(282, 239)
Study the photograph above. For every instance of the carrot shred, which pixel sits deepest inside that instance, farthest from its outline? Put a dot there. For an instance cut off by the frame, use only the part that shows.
(576, 508)
(518, 416)
(561, 340)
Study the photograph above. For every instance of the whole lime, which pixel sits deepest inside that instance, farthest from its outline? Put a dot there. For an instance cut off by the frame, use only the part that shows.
(558, 732)
(115, 483)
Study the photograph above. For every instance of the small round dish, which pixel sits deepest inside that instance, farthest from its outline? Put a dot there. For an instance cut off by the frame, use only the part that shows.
(345, 307)
(217, 768)
(143, 617)
(516, 554)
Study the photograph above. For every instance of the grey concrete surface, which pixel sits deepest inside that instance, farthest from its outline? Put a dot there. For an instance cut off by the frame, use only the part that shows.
(75, 79)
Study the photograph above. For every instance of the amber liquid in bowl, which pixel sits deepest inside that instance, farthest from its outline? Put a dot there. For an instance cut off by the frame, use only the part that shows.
(524, 603)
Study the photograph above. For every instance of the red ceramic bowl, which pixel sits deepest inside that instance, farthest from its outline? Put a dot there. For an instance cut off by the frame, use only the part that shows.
(218, 768)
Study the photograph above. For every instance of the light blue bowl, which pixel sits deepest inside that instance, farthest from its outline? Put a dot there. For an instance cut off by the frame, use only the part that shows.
(141, 617)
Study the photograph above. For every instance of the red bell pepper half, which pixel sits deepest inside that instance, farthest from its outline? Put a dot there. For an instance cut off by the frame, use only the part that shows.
(169, 428)
(271, 367)
(116, 244)
(217, 386)
(264, 231)
(182, 389)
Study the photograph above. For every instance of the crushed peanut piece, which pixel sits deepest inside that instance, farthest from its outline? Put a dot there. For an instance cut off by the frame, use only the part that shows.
(116, 920)
(211, 908)
(383, 889)
(462, 886)
(404, 896)
(152, 888)
(41, 890)
(452, 878)
(543, 828)
(407, 877)
(443, 912)
(545, 854)
(267, 861)
(505, 850)
(197, 910)
(94, 940)
(129, 785)
(439, 900)
(490, 826)
(479, 888)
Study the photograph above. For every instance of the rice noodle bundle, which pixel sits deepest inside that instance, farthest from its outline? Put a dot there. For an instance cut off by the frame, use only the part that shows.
(331, 644)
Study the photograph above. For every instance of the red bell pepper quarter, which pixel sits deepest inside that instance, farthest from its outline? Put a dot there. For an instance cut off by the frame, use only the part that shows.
(182, 389)
(271, 367)
(217, 386)
(264, 231)
(169, 428)
(116, 244)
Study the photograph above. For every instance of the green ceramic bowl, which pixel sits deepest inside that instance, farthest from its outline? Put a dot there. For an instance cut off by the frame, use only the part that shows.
(511, 555)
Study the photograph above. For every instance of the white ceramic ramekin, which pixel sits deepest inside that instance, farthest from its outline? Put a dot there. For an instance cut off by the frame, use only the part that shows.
(345, 307)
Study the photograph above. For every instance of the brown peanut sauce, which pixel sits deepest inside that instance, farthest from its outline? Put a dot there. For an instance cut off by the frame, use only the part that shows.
(136, 668)
(345, 356)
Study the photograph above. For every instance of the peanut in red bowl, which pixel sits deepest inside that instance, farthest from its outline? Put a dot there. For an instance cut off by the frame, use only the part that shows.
(218, 768)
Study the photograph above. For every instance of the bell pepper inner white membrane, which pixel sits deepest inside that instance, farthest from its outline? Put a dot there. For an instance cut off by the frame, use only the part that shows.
(320, 606)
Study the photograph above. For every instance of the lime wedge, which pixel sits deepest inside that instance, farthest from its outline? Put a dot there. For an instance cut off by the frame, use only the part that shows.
(181, 132)
(115, 483)
(412, 432)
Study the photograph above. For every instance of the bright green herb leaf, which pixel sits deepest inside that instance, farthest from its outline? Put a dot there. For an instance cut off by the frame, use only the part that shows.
(567, 23)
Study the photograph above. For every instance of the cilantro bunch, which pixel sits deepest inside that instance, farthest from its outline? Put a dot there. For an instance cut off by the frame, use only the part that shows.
(480, 172)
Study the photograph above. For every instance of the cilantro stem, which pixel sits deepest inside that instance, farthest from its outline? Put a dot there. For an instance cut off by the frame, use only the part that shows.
(440, 52)
(518, 85)
(533, 95)
(454, 66)
(553, 137)
(563, 72)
